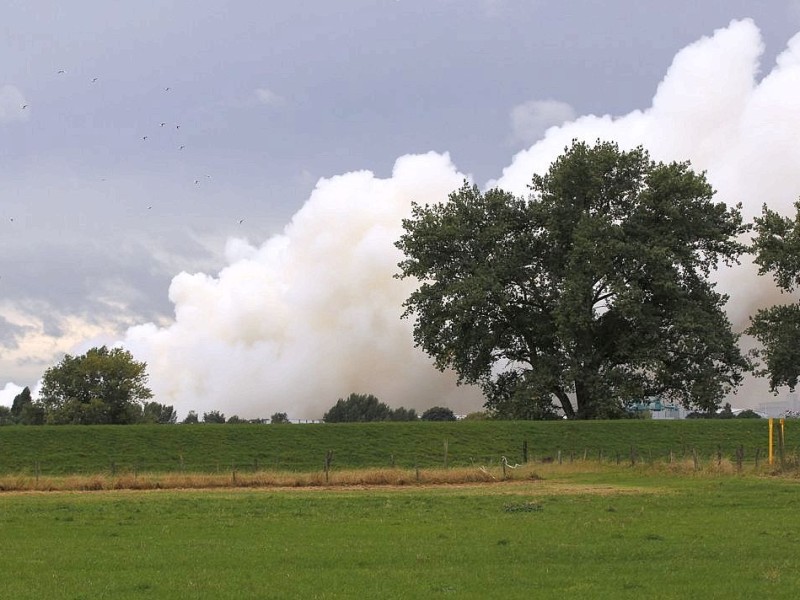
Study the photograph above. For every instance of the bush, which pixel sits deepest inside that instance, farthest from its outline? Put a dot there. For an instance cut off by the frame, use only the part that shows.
(213, 417)
(480, 415)
(403, 414)
(357, 408)
(438, 413)
(748, 414)
(279, 418)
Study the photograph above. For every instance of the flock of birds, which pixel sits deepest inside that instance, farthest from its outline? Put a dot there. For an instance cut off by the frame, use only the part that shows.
(145, 138)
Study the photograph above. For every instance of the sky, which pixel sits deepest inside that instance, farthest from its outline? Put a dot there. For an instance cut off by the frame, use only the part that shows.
(217, 186)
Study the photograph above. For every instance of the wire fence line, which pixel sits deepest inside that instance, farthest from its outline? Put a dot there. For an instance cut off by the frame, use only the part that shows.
(739, 456)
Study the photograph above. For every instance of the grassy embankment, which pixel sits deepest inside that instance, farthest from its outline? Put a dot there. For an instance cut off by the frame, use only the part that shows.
(64, 450)
(590, 531)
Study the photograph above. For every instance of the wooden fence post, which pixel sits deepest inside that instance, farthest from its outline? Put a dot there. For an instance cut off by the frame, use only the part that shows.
(739, 458)
(328, 461)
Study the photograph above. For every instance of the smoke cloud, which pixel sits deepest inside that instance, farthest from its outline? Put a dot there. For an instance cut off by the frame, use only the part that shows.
(313, 314)
(310, 315)
(530, 120)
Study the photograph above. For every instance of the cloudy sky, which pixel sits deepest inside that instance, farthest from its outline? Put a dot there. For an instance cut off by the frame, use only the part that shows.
(218, 185)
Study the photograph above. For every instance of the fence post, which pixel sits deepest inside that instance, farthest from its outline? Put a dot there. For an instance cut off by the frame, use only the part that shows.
(525, 451)
(739, 458)
(328, 461)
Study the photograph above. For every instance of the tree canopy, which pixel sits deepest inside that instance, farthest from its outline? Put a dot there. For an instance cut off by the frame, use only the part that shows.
(776, 247)
(103, 386)
(592, 292)
(365, 407)
(25, 411)
(438, 413)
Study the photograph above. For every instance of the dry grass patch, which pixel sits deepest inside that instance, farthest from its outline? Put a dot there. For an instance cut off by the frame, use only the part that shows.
(267, 479)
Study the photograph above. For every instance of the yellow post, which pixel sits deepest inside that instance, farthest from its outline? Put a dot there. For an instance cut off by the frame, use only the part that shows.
(783, 439)
(770, 440)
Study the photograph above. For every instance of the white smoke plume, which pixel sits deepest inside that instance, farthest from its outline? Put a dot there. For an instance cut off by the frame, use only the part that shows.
(313, 314)
(310, 315)
(712, 109)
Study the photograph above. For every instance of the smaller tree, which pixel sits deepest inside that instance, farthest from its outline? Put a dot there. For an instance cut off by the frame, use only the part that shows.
(103, 386)
(279, 418)
(213, 416)
(726, 412)
(357, 408)
(153, 412)
(25, 411)
(403, 414)
(438, 413)
(5, 416)
(191, 418)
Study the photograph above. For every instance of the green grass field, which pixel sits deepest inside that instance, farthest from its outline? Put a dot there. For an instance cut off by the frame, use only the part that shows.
(583, 532)
(221, 448)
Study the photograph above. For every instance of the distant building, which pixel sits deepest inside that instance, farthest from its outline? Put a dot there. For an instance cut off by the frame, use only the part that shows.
(659, 409)
(778, 408)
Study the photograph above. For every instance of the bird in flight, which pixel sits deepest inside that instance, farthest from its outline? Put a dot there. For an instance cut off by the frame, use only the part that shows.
(241, 221)
(144, 137)
(94, 79)
(166, 89)
(162, 124)
(61, 71)
(24, 106)
(182, 147)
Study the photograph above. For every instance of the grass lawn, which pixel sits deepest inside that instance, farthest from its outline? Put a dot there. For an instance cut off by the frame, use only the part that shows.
(595, 532)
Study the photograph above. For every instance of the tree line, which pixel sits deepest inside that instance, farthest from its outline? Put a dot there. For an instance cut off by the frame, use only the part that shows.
(583, 298)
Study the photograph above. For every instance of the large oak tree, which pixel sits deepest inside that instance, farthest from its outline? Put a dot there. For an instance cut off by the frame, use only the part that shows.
(592, 292)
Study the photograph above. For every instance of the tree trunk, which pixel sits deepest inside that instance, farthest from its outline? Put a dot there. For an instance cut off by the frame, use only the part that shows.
(566, 404)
